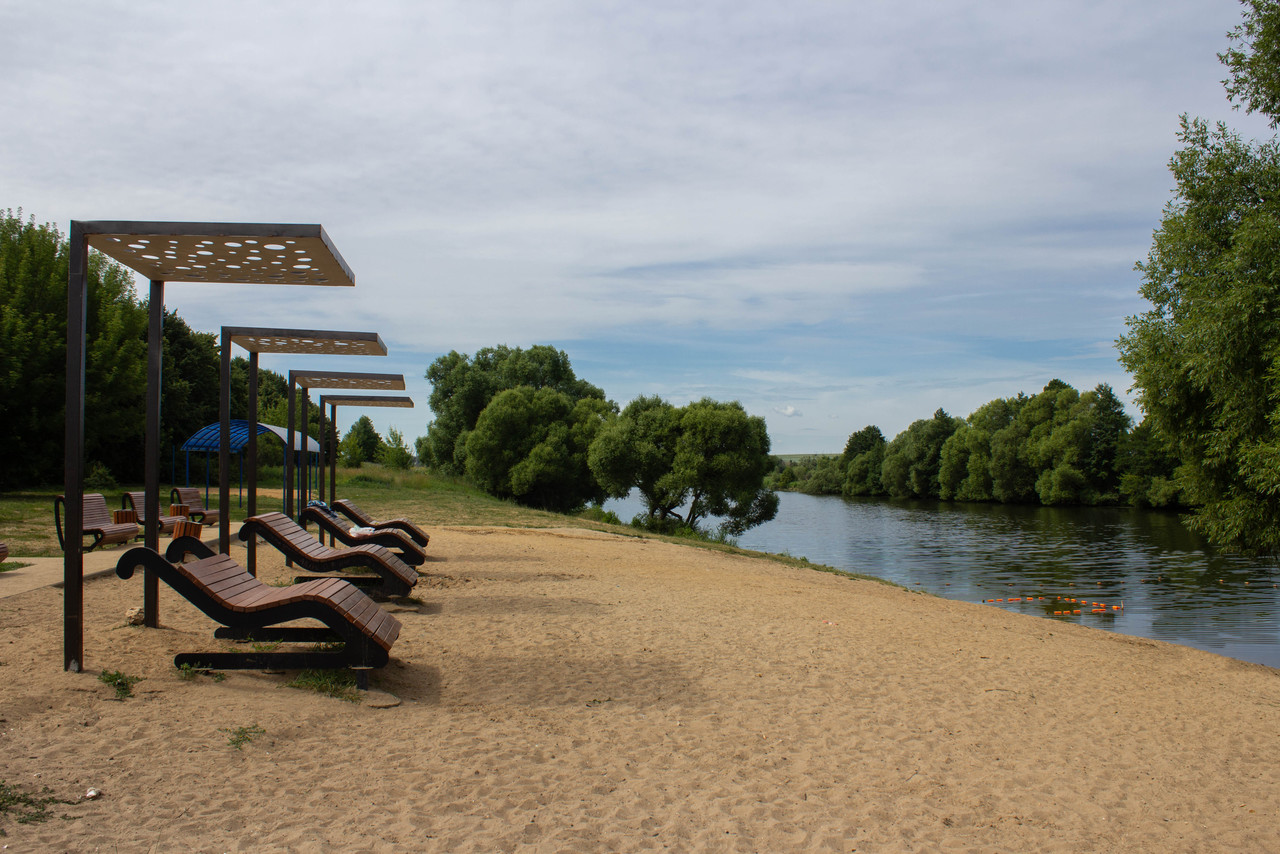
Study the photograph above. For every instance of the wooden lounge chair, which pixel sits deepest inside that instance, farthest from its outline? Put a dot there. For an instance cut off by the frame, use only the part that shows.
(136, 501)
(355, 514)
(246, 607)
(97, 522)
(394, 577)
(190, 497)
(4, 552)
(340, 529)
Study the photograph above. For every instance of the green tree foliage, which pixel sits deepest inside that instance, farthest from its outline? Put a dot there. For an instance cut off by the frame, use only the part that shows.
(913, 459)
(965, 470)
(33, 324)
(708, 457)
(462, 386)
(863, 460)
(190, 370)
(531, 444)
(1148, 469)
(817, 475)
(639, 450)
(394, 453)
(1254, 61)
(1206, 357)
(360, 444)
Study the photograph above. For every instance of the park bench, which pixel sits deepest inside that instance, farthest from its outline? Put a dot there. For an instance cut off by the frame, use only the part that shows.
(136, 501)
(97, 522)
(190, 498)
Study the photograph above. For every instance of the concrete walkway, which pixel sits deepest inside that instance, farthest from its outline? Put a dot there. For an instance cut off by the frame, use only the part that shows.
(47, 571)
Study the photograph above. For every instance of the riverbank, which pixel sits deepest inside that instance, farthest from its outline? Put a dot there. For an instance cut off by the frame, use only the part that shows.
(569, 690)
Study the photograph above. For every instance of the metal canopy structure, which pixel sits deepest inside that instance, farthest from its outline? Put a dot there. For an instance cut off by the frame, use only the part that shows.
(243, 253)
(258, 340)
(328, 379)
(224, 252)
(209, 437)
(333, 401)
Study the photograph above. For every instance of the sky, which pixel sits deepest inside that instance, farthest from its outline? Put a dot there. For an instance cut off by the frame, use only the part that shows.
(836, 213)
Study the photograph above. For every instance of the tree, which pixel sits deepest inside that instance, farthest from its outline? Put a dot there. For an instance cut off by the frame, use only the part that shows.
(914, 457)
(1255, 62)
(863, 460)
(394, 453)
(463, 386)
(33, 333)
(361, 444)
(1148, 469)
(531, 444)
(189, 381)
(708, 457)
(1206, 357)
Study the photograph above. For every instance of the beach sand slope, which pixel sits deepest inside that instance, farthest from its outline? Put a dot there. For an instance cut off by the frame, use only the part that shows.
(571, 691)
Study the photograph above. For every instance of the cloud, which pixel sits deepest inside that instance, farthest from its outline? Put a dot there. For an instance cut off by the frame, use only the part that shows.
(851, 213)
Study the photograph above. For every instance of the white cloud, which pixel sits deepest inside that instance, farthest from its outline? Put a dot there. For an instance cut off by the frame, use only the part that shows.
(818, 206)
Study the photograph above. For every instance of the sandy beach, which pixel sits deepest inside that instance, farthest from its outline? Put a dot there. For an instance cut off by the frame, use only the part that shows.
(574, 691)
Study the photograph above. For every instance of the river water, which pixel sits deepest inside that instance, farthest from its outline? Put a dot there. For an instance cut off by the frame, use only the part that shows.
(1128, 571)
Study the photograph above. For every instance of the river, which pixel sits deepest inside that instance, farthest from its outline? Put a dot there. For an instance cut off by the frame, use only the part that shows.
(1118, 569)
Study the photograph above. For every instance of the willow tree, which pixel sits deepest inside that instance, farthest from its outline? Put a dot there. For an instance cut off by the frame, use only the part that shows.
(1206, 356)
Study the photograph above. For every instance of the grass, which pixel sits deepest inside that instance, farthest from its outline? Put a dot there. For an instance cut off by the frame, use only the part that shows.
(121, 683)
(242, 735)
(25, 807)
(331, 683)
(189, 673)
(428, 498)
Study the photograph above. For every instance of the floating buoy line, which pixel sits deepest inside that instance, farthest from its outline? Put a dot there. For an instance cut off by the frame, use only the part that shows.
(1066, 606)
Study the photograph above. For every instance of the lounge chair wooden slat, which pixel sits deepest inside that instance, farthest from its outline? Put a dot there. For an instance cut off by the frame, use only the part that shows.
(360, 517)
(401, 545)
(367, 640)
(396, 578)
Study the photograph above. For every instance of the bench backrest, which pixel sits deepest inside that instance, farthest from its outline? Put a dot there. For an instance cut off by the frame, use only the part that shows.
(96, 514)
(138, 502)
(190, 496)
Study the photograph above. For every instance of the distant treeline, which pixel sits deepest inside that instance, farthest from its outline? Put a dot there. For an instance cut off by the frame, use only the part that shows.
(1060, 446)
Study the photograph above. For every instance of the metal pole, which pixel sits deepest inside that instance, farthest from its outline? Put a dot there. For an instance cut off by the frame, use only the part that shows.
(251, 547)
(324, 442)
(333, 461)
(151, 467)
(288, 454)
(304, 476)
(73, 454)
(224, 448)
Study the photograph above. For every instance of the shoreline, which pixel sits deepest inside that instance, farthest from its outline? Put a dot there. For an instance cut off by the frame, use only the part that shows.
(572, 690)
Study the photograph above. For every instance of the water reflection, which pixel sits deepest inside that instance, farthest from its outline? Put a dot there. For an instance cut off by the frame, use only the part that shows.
(1172, 586)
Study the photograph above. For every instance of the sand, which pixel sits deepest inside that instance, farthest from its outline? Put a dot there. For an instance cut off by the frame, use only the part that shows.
(570, 691)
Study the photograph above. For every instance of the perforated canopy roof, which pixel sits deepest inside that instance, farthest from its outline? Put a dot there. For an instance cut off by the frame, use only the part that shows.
(348, 379)
(247, 253)
(366, 400)
(309, 341)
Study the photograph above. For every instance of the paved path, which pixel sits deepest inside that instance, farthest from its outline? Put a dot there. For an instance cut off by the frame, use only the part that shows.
(46, 571)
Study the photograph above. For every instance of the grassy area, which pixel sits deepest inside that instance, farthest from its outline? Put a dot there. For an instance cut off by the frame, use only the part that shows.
(430, 499)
